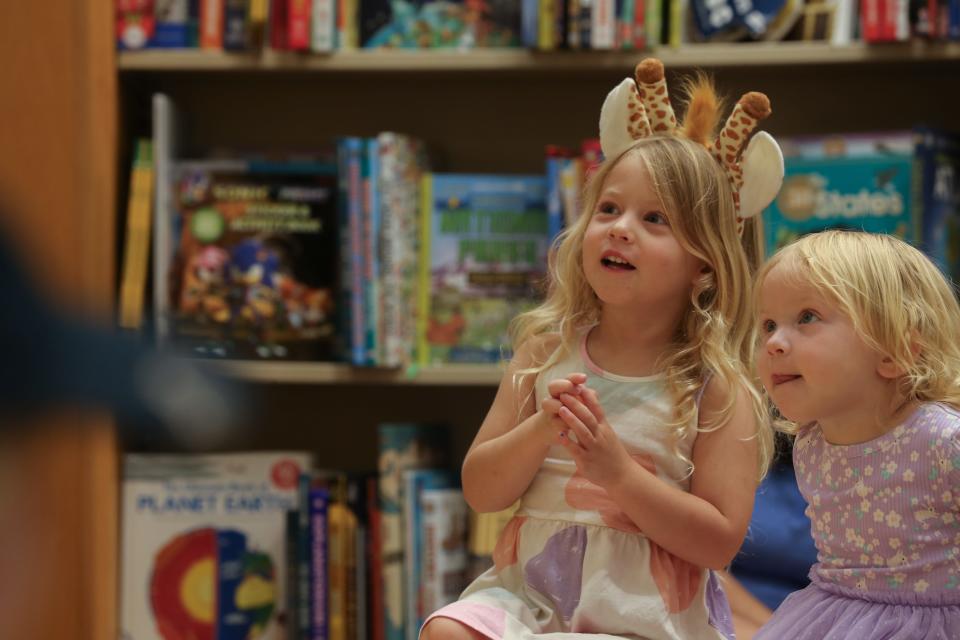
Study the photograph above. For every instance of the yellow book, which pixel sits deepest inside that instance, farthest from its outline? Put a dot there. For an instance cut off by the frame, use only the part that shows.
(137, 247)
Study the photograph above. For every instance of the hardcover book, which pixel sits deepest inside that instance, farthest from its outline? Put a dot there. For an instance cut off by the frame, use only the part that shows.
(255, 272)
(204, 540)
(484, 241)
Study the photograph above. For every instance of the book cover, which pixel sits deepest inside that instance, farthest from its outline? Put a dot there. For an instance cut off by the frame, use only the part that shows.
(203, 552)
(256, 269)
(402, 446)
(439, 24)
(484, 243)
(869, 193)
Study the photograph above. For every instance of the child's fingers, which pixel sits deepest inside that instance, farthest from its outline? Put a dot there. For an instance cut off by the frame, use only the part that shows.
(583, 434)
(592, 402)
(580, 410)
(551, 405)
(577, 378)
(560, 386)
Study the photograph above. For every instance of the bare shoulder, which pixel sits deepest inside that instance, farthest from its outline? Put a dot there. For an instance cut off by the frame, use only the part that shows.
(717, 396)
(535, 351)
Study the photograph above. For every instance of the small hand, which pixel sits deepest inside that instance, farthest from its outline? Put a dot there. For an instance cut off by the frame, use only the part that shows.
(597, 450)
(550, 406)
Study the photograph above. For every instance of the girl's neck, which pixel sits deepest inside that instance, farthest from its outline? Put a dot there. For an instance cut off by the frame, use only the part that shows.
(868, 422)
(629, 346)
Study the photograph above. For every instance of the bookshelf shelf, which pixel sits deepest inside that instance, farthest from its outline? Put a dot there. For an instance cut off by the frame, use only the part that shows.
(335, 373)
(522, 60)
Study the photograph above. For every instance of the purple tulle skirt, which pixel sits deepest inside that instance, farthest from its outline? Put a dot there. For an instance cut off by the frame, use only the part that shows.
(828, 612)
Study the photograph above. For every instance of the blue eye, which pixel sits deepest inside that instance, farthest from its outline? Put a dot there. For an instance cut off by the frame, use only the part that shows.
(807, 316)
(768, 326)
(656, 217)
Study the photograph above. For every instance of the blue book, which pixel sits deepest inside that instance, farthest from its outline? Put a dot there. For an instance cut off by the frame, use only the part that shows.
(483, 248)
(869, 193)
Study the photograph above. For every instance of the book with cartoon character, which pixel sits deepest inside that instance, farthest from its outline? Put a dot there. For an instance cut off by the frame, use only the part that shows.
(255, 269)
(483, 257)
(428, 24)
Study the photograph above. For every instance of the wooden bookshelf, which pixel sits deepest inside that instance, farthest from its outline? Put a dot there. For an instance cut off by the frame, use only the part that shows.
(525, 61)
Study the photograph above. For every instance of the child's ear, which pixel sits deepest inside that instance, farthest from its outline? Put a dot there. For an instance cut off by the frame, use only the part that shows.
(889, 369)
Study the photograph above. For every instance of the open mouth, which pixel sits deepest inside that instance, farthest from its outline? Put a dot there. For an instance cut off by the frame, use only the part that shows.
(783, 378)
(616, 262)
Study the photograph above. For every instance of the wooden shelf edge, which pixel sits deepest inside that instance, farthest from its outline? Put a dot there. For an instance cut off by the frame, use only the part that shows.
(335, 373)
(518, 60)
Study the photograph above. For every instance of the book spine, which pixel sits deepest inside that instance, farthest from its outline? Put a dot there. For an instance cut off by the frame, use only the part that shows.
(298, 25)
(391, 237)
(319, 504)
(211, 24)
(423, 282)
(137, 246)
(323, 22)
(373, 302)
(236, 24)
(603, 25)
(355, 214)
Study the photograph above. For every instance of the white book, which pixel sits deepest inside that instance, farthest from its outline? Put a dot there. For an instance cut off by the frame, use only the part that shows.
(203, 551)
(444, 558)
(323, 26)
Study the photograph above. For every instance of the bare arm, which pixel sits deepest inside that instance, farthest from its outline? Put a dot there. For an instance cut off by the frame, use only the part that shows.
(513, 440)
(705, 526)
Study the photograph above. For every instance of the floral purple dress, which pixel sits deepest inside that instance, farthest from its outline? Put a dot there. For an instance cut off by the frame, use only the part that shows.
(885, 517)
(571, 562)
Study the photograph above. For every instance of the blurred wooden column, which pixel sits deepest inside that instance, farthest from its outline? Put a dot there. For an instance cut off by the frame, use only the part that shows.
(58, 475)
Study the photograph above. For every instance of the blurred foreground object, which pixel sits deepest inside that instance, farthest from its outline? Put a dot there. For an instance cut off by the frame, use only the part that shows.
(51, 361)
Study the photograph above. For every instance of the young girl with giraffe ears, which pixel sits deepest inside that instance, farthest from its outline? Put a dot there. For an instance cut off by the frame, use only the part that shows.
(626, 424)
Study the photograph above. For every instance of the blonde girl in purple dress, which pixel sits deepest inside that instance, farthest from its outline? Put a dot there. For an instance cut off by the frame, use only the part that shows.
(860, 352)
(626, 424)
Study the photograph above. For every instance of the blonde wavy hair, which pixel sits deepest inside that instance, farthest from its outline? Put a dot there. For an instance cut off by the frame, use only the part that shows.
(716, 335)
(897, 299)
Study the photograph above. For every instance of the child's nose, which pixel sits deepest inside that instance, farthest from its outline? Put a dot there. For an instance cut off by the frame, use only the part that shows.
(777, 343)
(620, 230)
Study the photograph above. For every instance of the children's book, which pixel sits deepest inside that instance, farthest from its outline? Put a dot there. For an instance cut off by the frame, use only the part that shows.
(402, 446)
(462, 24)
(869, 193)
(204, 545)
(255, 269)
(483, 249)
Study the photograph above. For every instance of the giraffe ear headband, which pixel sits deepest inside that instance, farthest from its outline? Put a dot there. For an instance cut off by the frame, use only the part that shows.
(637, 109)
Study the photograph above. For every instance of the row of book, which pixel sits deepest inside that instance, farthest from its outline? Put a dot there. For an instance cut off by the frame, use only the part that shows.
(360, 254)
(324, 26)
(357, 253)
(318, 26)
(265, 545)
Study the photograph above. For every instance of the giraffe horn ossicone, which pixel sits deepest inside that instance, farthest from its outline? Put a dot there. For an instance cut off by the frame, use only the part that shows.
(622, 119)
(652, 88)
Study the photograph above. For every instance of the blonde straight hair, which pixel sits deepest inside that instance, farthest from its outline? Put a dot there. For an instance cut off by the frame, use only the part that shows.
(897, 299)
(717, 334)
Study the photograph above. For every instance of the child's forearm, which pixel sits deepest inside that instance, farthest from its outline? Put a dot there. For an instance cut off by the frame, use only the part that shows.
(497, 472)
(686, 525)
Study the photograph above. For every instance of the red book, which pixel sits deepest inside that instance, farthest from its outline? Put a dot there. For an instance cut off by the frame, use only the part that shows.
(298, 25)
